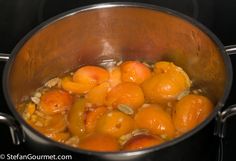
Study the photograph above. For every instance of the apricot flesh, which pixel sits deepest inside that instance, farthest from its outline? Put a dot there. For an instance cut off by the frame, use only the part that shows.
(55, 101)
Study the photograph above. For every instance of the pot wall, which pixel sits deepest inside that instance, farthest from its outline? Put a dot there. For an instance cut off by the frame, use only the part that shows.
(113, 34)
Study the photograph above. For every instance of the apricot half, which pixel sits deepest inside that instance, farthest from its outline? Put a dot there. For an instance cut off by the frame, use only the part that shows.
(76, 117)
(114, 76)
(92, 117)
(99, 142)
(91, 75)
(142, 141)
(134, 71)
(190, 111)
(48, 124)
(126, 93)
(115, 123)
(167, 83)
(156, 120)
(97, 95)
(55, 101)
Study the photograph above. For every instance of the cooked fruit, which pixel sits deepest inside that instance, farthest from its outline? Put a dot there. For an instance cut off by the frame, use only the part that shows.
(134, 71)
(91, 75)
(115, 123)
(76, 117)
(55, 101)
(60, 137)
(115, 76)
(190, 111)
(156, 120)
(127, 106)
(48, 124)
(126, 93)
(97, 95)
(93, 116)
(74, 87)
(99, 142)
(142, 141)
(166, 84)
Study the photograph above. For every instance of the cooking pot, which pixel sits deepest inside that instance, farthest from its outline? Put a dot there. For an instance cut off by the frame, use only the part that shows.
(107, 33)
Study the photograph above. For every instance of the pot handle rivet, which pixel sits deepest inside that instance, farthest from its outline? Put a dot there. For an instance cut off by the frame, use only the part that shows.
(16, 131)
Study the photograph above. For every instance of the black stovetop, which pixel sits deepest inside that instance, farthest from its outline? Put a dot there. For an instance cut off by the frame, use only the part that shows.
(19, 16)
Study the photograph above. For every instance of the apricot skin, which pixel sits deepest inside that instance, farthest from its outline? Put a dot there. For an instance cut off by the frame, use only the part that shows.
(55, 101)
(99, 142)
(134, 71)
(141, 142)
(91, 75)
(115, 123)
(156, 120)
(190, 111)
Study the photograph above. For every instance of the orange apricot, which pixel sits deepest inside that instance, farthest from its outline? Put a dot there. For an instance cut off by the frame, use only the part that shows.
(169, 67)
(55, 101)
(115, 76)
(76, 117)
(134, 71)
(99, 142)
(168, 82)
(97, 95)
(115, 123)
(78, 88)
(48, 124)
(92, 117)
(164, 67)
(126, 93)
(92, 75)
(156, 120)
(142, 141)
(190, 111)
(60, 137)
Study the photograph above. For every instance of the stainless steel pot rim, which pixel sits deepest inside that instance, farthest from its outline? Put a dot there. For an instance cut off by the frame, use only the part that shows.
(218, 107)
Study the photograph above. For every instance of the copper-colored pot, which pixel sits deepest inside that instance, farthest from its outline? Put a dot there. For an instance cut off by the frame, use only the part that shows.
(108, 33)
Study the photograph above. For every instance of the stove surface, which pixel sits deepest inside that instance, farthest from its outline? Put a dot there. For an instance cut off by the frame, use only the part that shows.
(19, 17)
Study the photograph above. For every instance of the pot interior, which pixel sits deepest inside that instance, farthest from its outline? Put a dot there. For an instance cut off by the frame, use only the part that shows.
(110, 34)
